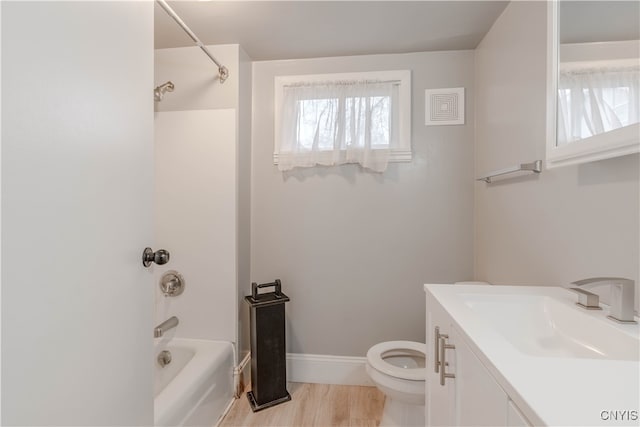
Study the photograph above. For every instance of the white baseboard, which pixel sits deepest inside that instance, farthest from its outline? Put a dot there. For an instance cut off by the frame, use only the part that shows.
(242, 375)
(324, 369)
(225, 412)
(245, 366)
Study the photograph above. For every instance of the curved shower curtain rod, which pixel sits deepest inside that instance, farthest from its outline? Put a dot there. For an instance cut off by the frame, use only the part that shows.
(223, 72)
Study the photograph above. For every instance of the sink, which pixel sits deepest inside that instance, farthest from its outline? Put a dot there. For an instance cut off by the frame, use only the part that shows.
(540, 325)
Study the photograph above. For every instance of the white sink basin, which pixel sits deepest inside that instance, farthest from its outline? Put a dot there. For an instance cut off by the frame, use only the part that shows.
(559, 363)
(540, 325)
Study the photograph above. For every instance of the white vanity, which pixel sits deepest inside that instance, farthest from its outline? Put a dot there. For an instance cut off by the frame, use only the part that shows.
(524, 355)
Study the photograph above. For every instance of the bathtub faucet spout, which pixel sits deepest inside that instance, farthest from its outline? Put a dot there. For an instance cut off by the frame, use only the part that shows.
(163, 327)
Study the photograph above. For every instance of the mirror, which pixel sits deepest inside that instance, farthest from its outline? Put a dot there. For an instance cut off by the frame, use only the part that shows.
(594, 81)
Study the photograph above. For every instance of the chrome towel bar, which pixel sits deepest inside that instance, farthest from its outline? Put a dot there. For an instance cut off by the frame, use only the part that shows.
(535, 167)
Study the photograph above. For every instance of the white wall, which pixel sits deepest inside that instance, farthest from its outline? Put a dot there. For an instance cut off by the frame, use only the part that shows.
(195, 76)
(77, 180)
(197, 88)
(195, 219)
(353, 248)
(567, 223)
(244, 113)
(0, 222)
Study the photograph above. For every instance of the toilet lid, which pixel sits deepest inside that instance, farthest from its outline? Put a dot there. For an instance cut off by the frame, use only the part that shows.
(375, 359)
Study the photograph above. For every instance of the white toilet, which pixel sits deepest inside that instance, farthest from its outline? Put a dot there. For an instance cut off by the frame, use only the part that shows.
(398, 370)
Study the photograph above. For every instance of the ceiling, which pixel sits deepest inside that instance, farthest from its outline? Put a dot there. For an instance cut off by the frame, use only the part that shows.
(599, 21)
(269, 30)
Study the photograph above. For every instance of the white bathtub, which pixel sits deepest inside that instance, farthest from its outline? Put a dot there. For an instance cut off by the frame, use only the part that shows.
(196, 388)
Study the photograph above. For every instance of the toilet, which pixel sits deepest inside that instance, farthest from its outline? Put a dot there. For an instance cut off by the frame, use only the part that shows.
(398, 370)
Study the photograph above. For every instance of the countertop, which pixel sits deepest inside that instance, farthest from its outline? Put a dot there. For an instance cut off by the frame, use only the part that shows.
(554, 391)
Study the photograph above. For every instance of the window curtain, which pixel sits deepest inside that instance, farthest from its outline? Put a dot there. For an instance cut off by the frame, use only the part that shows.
(334, 123)
(594, 101)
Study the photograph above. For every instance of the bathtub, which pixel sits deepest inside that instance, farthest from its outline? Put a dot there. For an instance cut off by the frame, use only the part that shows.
(196, 388)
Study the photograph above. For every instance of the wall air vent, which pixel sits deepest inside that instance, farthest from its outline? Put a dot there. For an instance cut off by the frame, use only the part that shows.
(444, 106)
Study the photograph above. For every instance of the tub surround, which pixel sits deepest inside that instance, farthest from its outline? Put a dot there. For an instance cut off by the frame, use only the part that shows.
(542, 372)
(203, 130)
(195, 219)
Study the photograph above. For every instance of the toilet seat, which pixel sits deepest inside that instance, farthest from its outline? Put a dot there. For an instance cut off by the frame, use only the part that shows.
(376, 353)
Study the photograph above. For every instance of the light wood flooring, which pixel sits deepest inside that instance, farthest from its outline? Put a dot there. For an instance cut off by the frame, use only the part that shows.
(318, 405)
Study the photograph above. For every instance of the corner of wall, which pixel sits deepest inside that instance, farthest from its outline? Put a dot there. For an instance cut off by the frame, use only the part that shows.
(479, 85)
(243, 200)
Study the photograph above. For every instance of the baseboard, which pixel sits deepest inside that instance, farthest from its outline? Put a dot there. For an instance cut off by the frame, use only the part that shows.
(245, 366)
(242, 375)
(225, 412)
(325, 369)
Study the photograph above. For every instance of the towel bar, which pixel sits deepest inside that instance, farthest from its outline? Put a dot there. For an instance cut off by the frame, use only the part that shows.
(535, 167)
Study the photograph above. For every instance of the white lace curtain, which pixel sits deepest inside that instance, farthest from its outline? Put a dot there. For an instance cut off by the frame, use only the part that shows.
(333, 123)
(594, 101)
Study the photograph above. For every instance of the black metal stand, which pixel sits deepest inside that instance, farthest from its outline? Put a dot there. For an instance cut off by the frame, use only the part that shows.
(268, 350)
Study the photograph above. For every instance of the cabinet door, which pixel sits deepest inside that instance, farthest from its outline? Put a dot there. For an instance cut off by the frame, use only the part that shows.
(439, 399)
(479, 400)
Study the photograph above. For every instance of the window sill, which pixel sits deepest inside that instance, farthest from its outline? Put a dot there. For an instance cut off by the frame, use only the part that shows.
(395, 156)
(615, 143)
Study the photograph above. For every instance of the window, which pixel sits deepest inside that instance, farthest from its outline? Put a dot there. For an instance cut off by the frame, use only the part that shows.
(593, 101)
(334, 119)
(593, 92)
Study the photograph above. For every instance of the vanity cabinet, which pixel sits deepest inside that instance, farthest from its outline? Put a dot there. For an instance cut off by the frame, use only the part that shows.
(479, 400)
(470, 395)
(439, 405)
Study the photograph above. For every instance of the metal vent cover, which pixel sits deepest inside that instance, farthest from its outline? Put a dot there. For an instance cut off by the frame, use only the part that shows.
(444, 106)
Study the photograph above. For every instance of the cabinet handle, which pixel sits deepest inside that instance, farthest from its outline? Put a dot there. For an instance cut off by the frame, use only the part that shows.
(436, 352)
(443, 361)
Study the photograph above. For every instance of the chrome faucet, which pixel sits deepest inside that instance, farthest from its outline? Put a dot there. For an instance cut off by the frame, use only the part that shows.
(163, 327)
(622, 296)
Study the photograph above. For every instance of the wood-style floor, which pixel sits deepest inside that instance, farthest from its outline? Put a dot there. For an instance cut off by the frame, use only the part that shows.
(318, 405)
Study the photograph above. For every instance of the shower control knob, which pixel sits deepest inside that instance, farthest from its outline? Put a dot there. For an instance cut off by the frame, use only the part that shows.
(172, 283)
(160, 257)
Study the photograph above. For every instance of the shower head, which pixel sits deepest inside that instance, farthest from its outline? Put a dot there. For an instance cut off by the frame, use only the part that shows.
(159, 91)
